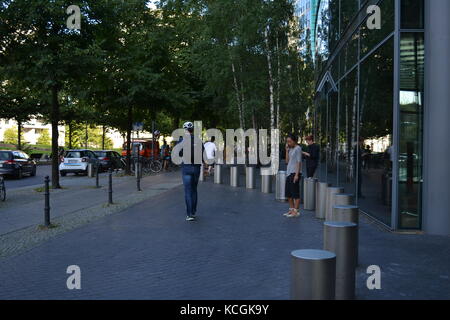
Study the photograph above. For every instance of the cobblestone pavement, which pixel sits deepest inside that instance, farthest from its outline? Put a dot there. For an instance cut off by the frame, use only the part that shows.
(238, 249)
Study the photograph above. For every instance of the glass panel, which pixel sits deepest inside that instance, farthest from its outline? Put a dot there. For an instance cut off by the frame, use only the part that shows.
(332, 138)
(348, 10)
(334, 23)
(375, 136)
(321, 138)
(411, 129)
(349, 55)
(412, 14)
(370, 38)
(348, 132)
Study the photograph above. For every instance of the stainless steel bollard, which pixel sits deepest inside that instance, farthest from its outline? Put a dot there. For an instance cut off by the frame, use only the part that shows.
(250, 177)
(321, 199)
(344, 199)
(313, 275)
(342, 239)
(310, 196)
(218, 174)
(346, 213)
(234, 176)
(266, 183)
(91, 170)
(201, 178)
(331, 191)
(280, 186)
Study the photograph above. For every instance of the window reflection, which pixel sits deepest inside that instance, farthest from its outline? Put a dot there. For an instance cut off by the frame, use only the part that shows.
(375, 150)
(411, 129)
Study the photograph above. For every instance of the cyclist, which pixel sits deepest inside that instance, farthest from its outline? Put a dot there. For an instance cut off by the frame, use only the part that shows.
(191, 170)
(165, 155)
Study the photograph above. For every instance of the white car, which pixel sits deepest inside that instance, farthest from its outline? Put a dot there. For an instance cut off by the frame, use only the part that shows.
(77, 161)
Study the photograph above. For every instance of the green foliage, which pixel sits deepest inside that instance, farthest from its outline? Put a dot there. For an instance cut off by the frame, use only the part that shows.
(44, 138)
(11, 136)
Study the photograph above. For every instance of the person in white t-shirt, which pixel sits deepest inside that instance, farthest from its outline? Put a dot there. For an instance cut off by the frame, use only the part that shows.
(210, 150)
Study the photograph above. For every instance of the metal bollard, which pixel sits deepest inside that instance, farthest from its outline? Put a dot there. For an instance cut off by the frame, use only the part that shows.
(331, 191)
(280, 186)
(47, 201)
(303, 191)
(313, 275)
(310, 196)
(345, 199)
(138, 175)
(110, 201)
(218, 174)
(342, 239)
(97, 181)
(346, 213)
(234, 176)
(202, 173)
(250, 178)
(321, 199)
(266, 183)
(91, 171)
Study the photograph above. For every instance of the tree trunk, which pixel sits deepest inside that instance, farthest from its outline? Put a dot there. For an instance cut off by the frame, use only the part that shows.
(271, 91)
(129, 128)
(86, 137)
(103, 137)
(278, 84)
(236, 90)
(19, 133)
(55, 136)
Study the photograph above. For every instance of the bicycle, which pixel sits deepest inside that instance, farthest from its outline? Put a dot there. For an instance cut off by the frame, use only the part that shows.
(152, 165)
(2, 189)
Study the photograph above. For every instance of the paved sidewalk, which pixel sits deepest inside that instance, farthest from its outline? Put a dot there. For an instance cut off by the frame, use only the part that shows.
(238, 249)
(25, 207)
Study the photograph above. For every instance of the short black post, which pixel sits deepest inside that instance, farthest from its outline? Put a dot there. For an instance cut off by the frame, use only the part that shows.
(138, 175)
(97, 184)
(110, 201)
(47, 202)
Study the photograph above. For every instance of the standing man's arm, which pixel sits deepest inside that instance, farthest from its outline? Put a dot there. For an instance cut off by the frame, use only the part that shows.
(287, 153)
(298, 167)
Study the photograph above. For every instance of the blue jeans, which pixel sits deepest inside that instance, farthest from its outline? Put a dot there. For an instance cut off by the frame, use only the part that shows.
(191, 175)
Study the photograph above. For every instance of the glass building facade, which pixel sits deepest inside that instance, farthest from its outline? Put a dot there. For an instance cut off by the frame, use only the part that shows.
(370, 106)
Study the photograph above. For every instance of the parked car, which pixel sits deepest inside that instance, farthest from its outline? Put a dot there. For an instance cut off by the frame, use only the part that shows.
(77, 161)
(109, 159)
(16, 164)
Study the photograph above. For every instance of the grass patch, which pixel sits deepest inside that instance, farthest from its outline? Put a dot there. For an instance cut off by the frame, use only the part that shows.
(42, 189)
(51, 226)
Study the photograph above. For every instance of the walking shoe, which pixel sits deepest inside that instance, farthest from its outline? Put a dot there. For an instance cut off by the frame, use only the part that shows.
(190, 218)
(289, 212)
(294, 214)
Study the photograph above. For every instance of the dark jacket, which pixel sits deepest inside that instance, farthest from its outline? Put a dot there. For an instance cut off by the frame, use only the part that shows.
(313, 160)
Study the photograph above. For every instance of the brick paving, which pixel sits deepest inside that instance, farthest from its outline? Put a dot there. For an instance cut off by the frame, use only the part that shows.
(238, 249)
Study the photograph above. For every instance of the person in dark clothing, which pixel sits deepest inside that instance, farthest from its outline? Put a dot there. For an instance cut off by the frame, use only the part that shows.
(190, 170)
(312, 156)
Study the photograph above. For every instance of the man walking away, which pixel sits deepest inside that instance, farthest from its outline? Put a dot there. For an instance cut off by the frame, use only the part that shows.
(210, 149)
(294, 162)
(190, 170)
(165, 155)
(312, 157)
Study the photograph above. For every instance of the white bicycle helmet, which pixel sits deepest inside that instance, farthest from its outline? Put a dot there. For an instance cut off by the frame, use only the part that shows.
(188, 126)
